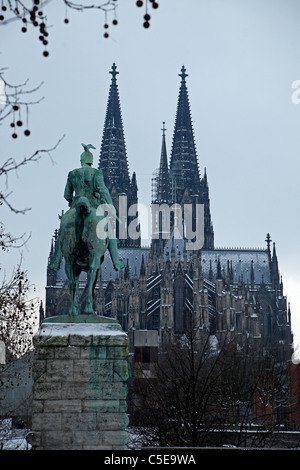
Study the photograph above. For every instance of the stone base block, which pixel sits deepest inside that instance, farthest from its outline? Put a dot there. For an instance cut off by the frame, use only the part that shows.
(79, 395)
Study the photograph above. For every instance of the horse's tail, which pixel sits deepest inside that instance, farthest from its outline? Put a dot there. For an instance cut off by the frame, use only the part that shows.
(82, 205)
(82, 208)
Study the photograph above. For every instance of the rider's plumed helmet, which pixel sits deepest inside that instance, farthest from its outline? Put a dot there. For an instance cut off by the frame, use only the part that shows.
(87, 156)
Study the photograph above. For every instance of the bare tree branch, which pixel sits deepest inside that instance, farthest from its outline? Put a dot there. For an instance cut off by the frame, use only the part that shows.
(6, 239)
(36, 14)
(13, 101)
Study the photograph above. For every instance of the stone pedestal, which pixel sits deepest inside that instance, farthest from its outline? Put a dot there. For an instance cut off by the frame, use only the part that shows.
(79, 395)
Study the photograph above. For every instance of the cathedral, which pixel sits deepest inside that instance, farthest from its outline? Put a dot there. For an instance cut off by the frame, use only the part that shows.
(177, 281)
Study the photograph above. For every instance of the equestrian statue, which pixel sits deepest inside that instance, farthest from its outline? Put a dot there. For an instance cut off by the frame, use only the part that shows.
(85, 229)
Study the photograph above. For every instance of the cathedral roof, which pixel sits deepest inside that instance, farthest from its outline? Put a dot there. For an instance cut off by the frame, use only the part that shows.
(133, 257)
(241, 262)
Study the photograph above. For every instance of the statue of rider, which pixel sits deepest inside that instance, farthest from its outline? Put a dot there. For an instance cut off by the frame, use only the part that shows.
(89, 182)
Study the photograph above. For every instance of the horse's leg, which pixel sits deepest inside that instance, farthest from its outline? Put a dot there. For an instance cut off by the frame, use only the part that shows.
(70, 284)
(95, 281)
(91, 280)
(75, 298)
(73, 288)
(89, 295)
(72, 295)
(73, 285)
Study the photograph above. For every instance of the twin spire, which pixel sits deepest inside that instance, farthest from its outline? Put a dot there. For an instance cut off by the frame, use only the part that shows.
(180, 182)
(113, 157)
(177, 181)
(183, 172)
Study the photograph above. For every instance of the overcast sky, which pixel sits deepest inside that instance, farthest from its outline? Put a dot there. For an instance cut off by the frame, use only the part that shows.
(242, 58)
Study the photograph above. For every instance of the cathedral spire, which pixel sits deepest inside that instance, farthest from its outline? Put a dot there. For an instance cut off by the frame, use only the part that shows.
(113, 71)
(268, 240)
(163, 188)
(184, 171)
(113, 162)
(113, 158)
(274, 269)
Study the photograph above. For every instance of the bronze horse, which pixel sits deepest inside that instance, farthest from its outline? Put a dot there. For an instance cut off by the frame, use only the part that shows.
(85, 231)
(82, 249)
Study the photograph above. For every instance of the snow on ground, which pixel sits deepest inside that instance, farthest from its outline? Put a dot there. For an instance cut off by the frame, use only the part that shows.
(11, 438)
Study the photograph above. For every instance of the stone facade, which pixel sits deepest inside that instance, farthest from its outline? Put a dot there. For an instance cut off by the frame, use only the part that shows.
(79, 394)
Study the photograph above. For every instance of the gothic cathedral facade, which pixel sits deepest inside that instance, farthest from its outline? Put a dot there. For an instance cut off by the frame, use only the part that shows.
(170, 284)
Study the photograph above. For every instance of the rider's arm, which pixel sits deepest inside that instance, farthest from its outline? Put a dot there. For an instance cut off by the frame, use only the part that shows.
(68, 195)
(101, 187)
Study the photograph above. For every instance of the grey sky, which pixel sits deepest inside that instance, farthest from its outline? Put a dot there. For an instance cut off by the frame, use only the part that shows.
(242, 57)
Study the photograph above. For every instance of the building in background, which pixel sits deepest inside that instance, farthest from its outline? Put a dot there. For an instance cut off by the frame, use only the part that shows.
(170, 284)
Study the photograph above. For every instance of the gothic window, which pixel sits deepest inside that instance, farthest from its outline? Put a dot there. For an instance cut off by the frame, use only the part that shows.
(239, 322)
(179, 313)
(153, 320)
(266, 314)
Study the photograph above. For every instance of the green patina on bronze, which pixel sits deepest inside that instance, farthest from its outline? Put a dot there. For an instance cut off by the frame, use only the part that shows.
(78, 241)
